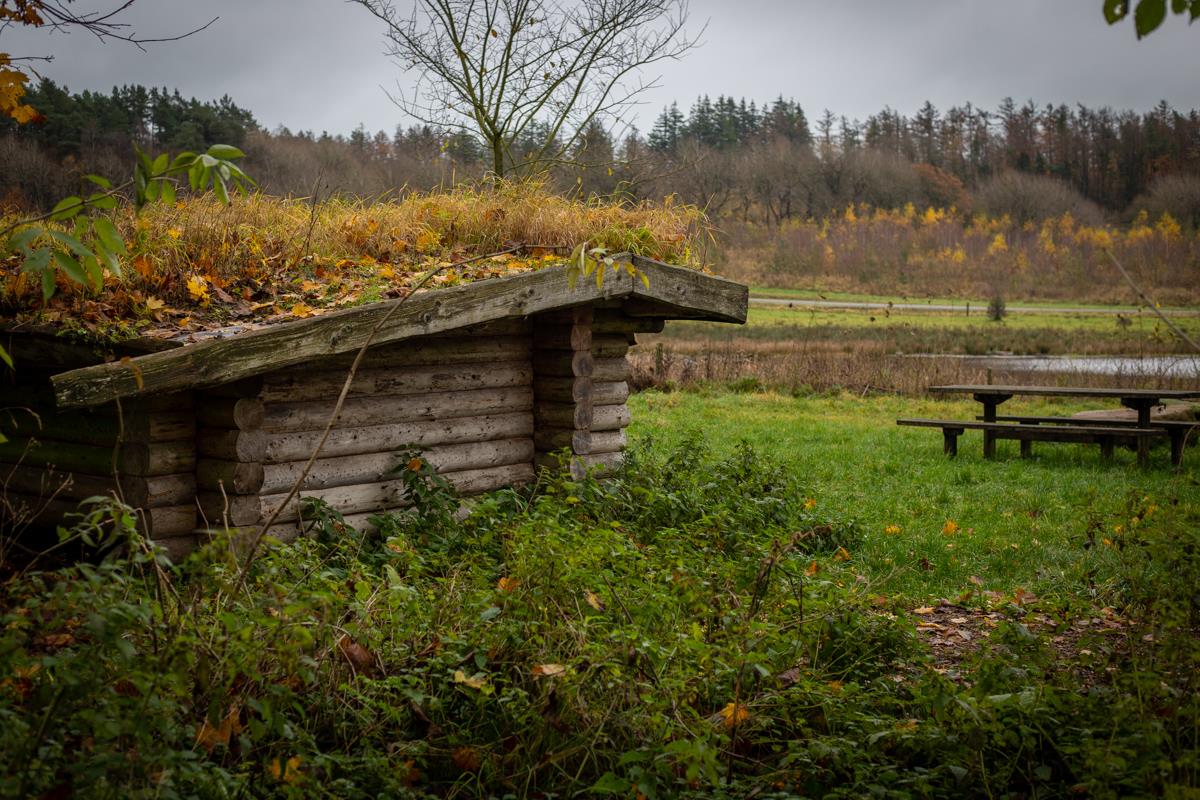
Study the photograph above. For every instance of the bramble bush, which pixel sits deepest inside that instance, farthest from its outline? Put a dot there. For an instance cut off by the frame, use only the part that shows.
(691, 626)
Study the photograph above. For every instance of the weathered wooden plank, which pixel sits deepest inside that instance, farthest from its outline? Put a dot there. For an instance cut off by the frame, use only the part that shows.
(143, 491)
(606, 442)
(548, 439)
(610, 418)
(691, 292)
(391, 494)
(231, 445)
(566, 390)
(286, 447)
(361, 411)
(374, 467)
(618, 323)
(133, 458)
(427, 351)
(577, 416)
(563, 363)
(562, 336)
(102, 427)
(241, 413)
(609, 345)
(235, 477)
(610, 370)
(32, 510)
(216, 361)
(292, 387)
(221, 360)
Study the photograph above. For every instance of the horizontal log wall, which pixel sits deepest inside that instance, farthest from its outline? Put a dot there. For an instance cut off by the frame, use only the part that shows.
(464, 400)
(141, 452)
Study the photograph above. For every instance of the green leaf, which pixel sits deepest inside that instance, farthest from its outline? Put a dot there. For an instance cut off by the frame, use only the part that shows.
(91, 266)
(489, 613)
(159, 165)
(183, 160)
(1179, 6)
(109, 260)
(153, 188)
(221, 189)
(143, 161)
(49, 285)
(1148, 15)
(37, 261)
(1195, 11)
(70, 267)
(168, 192)
(21, 241)
(7, 359)
(66, 208)
(102, 200)
(225, 151)
(71, 243)
(197, 175)
(1115, 10)
(99, 180)
(107, 233)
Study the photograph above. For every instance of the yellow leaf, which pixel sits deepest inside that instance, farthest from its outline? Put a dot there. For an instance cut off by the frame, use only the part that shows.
(593, 600)
(892, 530)
(415, 464)
(209, 736)
(507, 584)
(923, 610)
(734, 714)
(198, 288)
(809, 504)
(950, 528)
(288, 772)
(842, 554)
(154, 304)
(476, 681)
(311, 286)
(302, 310)
(174, 233)
(812, 570)
(548, 670)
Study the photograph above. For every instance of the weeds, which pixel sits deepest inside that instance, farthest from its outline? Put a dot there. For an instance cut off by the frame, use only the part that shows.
(692, 626)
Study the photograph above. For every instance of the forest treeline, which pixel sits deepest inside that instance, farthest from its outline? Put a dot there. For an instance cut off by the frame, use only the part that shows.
(743, 162)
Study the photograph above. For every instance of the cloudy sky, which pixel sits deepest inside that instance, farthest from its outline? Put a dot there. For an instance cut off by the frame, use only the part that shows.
(318, 64)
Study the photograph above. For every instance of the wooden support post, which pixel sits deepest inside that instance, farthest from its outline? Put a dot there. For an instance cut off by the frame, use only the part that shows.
(1026, 448)
(950, 441)
(1178, 439)
(1106, 448)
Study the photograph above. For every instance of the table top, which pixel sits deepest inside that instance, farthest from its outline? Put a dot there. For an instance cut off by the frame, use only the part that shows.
(1067, 391)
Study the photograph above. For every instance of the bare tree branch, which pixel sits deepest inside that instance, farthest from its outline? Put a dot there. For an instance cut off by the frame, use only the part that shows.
(527, 77)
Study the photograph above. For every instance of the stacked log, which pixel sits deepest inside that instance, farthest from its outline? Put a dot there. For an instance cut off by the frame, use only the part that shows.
(141, 452)
(465, 401)
(581, 386)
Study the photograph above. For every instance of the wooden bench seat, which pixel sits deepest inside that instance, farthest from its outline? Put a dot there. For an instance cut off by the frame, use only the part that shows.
(1026, 434)
(1177, 430)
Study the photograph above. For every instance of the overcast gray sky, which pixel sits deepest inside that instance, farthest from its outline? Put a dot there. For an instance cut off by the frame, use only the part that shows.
(318, 64)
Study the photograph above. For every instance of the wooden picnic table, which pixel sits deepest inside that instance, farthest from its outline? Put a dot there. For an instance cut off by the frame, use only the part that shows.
(1140, 400)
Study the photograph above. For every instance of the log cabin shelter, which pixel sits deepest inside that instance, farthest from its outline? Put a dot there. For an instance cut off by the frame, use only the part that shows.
(489, 380)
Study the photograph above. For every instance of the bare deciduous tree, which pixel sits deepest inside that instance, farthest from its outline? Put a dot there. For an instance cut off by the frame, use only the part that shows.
(510, 70)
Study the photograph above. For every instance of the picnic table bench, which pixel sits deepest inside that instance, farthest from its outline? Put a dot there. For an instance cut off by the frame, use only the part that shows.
(1064, 429)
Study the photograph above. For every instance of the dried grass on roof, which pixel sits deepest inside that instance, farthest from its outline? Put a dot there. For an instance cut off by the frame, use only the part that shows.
(198, 265)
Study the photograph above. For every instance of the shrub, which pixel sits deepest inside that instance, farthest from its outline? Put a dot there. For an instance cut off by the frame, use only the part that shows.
(1033, 198)
(1175, 195)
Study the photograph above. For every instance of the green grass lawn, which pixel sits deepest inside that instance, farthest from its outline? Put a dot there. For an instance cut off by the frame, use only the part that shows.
(980, 302)
(1039, 525)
